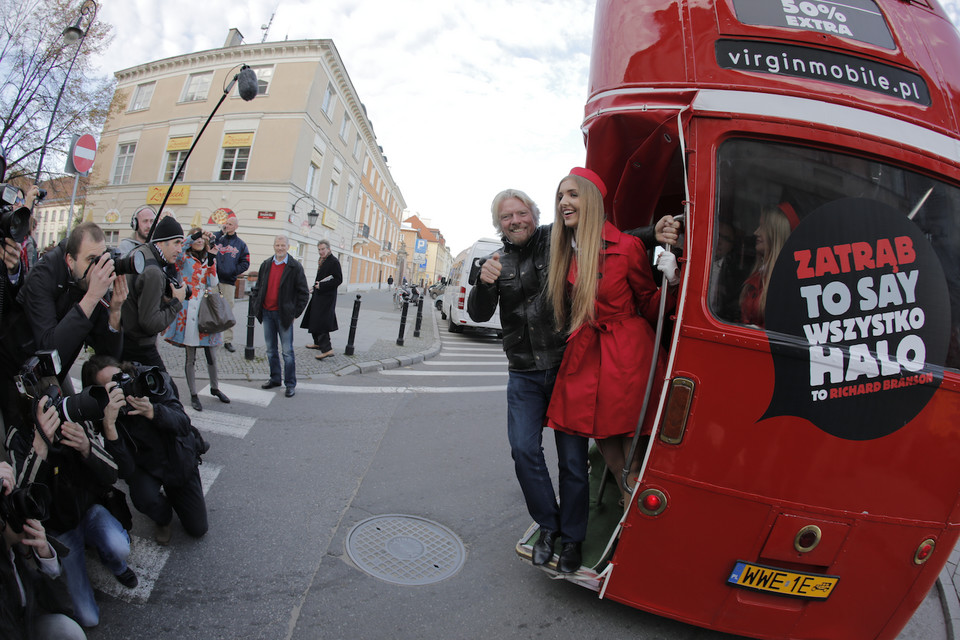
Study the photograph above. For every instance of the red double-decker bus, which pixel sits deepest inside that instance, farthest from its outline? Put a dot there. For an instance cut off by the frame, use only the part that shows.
(802, 479)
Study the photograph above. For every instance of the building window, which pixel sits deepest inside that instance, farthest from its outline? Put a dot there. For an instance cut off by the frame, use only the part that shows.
(327, 106)
(196, 87)
(174, 160)
(124, 163)
(234, 165)
(311, 176)
(264, 77)
(142, 95)
(344, 127)
(356, 148)
(334, 191)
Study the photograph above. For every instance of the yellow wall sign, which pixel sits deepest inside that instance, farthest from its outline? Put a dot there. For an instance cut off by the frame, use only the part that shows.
(179, 195)
(179, 144)
(329, 218)
(237, 139)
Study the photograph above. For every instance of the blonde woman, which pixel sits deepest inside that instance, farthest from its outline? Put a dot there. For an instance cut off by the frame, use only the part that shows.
(776, 223)
(605, 298)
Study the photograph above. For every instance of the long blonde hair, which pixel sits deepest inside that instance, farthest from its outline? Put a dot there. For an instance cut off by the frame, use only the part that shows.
(588, 236)
(775, 227)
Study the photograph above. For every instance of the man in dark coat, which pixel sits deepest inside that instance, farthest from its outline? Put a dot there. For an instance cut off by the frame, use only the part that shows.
(153, 302)
(156, 449)
(321, 316)
(65, 301)
(282, 295)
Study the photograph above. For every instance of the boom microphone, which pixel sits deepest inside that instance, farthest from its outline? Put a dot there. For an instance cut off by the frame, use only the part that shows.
(247, 83)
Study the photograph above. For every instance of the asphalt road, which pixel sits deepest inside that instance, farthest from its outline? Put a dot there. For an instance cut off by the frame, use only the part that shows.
(287, 481)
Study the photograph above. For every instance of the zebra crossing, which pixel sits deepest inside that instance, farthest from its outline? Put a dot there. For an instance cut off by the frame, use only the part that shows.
(462, 355)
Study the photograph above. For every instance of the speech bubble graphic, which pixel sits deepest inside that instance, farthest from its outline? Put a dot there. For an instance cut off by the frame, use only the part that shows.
(858, 320)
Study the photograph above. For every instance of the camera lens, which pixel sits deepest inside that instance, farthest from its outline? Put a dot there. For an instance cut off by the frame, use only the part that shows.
(14, 223)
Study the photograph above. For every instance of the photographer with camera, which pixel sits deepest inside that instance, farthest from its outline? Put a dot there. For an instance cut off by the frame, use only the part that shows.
(155, 446)
(156, 294)
(69, 459)
(65, 302)
(34, 601)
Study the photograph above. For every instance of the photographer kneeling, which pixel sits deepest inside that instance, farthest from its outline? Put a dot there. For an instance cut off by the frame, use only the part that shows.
(69, 459)
(156, 447)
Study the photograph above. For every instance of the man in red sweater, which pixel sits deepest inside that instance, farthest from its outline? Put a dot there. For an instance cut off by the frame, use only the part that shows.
(281, 296)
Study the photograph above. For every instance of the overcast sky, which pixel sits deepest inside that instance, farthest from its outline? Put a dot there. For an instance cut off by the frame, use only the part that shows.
(467, 97)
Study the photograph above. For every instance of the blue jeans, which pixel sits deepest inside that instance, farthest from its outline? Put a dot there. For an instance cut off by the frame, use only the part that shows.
(528, 395)
(100, 530)
(271, 329)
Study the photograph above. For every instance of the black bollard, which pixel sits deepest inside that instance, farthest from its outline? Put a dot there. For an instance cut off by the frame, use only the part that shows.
(251, 321)
(416, 329)
(403, 322)
(353, 326)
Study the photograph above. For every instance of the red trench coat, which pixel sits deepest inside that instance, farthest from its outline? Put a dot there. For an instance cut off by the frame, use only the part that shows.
(603, 376)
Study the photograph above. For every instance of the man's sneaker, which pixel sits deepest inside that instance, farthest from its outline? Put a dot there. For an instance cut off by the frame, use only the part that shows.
(128, 578)
(229, 347)
(163, 534)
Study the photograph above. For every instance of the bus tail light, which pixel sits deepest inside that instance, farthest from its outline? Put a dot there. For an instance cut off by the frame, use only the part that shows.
(677, 410)
(924, 551)
(461, 298)
(652, 502)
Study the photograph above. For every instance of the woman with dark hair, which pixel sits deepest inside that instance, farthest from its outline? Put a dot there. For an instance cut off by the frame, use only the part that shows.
(605, 297)
(321, 316)
(198, 268)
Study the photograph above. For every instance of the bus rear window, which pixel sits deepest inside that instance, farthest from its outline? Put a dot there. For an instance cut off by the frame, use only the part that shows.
(845, 235)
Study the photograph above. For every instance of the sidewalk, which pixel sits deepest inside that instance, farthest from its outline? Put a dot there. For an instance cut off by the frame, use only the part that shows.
(375, 343)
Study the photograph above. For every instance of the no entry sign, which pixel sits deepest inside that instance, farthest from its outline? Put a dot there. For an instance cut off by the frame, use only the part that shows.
(83, 153)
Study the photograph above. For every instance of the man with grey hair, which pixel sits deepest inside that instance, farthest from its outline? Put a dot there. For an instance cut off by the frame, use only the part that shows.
(534, 347)
(281, 296)
(534, 350)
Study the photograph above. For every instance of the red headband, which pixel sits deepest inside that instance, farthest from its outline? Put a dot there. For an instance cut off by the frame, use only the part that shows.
(790, 213)
(592, 177)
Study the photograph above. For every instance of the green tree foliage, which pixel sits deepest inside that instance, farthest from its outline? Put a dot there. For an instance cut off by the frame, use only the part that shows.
(34, 59)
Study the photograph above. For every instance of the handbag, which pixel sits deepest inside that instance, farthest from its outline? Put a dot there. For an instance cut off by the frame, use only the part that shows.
(214, 315)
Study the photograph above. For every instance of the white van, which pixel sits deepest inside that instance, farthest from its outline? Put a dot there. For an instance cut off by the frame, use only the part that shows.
(458, 287)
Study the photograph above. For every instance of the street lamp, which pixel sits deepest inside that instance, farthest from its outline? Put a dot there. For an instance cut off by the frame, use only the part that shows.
(312, 215)
(70, 34)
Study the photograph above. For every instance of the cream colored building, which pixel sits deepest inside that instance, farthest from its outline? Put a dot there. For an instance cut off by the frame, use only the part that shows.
(438, 260)
(305, 141)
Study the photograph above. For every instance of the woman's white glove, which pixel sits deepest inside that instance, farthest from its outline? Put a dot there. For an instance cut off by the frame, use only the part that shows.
(667, 265)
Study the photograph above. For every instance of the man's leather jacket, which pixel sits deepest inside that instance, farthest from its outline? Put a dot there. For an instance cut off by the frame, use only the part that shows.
(530, 338)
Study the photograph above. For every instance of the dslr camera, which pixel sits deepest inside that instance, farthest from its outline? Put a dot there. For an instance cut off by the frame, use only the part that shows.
(14, 218)
(122, 265)
(38, 378)
(147, 383)
(31, 501)
(174, 280)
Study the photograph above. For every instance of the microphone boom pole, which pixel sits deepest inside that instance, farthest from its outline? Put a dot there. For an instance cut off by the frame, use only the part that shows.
(179, 172)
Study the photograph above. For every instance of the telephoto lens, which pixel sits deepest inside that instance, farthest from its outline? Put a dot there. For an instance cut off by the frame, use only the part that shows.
(131, 263)
(14, 223)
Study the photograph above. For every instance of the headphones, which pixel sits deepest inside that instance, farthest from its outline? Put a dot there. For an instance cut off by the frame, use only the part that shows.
(136, 214)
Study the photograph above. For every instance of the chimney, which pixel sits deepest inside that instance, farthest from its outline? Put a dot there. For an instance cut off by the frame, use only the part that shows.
(234, 38)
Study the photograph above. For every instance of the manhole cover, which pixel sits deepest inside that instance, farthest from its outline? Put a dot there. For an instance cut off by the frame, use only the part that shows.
(405, 549)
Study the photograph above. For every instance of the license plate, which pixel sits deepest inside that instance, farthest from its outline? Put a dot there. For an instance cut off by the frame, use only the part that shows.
(780, 581)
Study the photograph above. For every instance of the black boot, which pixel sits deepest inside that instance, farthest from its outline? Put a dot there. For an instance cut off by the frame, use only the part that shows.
(543, 549)
(570, 558)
